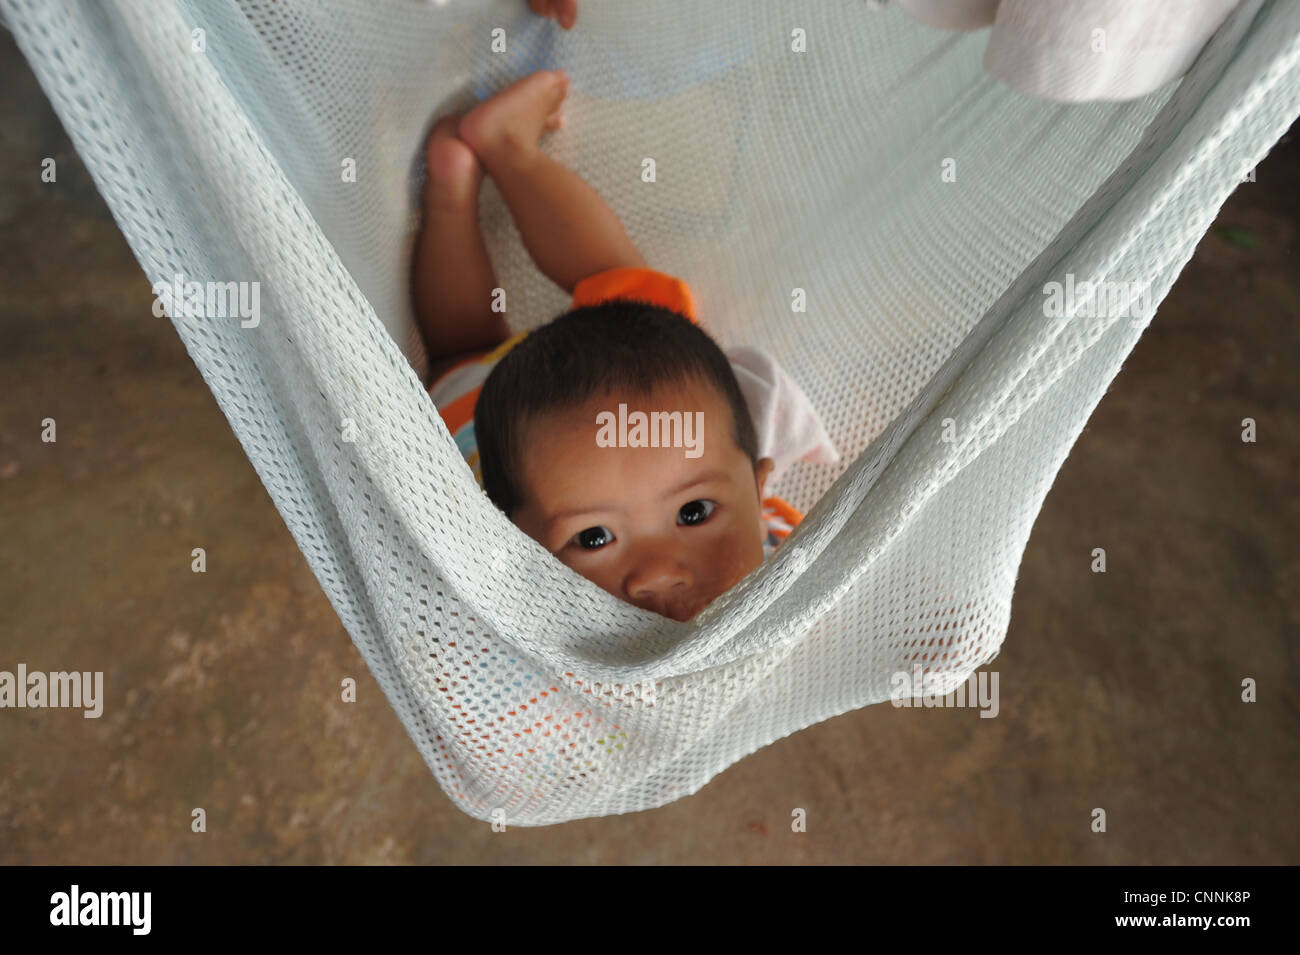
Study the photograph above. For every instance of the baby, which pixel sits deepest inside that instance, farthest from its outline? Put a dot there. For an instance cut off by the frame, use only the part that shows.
(619, 436)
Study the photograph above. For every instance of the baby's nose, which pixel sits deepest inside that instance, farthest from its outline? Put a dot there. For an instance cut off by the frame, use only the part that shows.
(659, 581)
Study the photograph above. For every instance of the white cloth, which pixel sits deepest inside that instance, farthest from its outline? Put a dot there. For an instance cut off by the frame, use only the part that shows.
(1078, 51)
(787, 425)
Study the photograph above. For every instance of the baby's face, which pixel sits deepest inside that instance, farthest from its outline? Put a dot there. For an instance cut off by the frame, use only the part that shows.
(662, 530)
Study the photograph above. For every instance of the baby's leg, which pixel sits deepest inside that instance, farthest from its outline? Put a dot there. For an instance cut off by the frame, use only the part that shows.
(566, 226)
(451, 275)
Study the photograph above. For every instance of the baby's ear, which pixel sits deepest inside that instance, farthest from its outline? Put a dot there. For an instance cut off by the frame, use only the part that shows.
(761, 471)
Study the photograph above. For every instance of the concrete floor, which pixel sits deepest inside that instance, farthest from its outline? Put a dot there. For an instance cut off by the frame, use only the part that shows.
(1118, 690)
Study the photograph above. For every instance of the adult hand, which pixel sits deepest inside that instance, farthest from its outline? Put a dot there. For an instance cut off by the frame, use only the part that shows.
(563, 12)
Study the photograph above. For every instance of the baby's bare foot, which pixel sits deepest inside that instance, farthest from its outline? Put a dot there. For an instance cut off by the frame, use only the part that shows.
(516, 118)
(454, 170)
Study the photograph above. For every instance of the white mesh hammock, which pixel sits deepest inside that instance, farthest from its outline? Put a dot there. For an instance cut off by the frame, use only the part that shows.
(952, 395)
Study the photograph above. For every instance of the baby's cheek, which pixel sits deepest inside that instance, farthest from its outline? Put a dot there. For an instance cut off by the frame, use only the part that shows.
(742, 552)
(602, 576)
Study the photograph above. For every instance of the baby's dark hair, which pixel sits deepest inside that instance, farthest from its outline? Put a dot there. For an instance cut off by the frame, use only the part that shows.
(619, 345)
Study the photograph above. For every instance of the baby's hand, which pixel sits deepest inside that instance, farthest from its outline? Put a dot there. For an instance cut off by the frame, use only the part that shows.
(564, 12)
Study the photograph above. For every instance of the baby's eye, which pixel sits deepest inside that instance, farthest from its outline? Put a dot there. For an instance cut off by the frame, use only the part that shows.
(695, 512)
(593, 538)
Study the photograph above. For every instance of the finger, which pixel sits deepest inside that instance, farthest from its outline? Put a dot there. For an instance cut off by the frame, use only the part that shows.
(567, 11)
(540, 7)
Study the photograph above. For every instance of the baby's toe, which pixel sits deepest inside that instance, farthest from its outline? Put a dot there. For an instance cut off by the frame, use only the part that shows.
(561, 82)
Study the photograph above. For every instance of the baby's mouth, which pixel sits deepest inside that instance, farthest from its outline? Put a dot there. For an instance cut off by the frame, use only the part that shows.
(681, 612)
